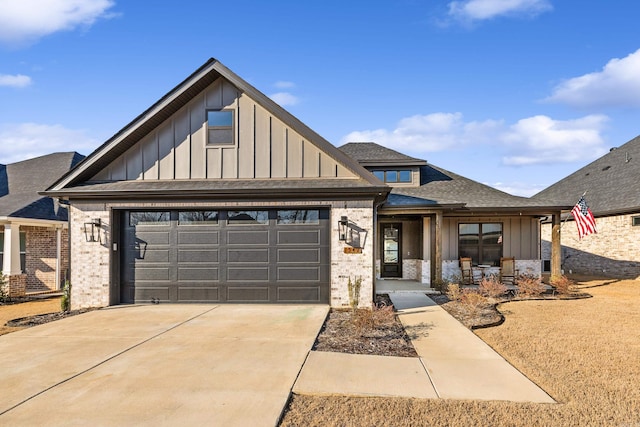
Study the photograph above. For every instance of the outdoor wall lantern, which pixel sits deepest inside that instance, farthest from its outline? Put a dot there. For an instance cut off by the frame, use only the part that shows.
(91, 230)
(343, 224)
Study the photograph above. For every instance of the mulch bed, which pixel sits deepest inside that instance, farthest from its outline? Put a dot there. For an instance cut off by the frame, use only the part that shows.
(343, 332)
(40, 319)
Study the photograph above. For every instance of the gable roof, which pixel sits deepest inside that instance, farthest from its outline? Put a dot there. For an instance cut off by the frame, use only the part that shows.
(611, 183)
(370, 154)
(20, 183)
(170, 104)
(440, 188)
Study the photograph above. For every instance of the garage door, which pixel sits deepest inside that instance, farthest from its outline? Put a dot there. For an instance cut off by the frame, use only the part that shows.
(260, 256)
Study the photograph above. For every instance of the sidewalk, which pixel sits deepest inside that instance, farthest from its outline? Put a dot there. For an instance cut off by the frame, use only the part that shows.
(453, 363)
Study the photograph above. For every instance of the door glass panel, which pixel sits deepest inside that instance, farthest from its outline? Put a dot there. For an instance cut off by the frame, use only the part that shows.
(149, 218)
(390, 245)
(248, 217)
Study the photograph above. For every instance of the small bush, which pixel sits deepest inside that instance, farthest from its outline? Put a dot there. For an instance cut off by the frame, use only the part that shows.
(366, 320)
(453, 292)
(65, 301)
(491, 287)
(4, 291)
(354, 292)
(472, 300)
(529, 286)
(440, 285)
(563, 285)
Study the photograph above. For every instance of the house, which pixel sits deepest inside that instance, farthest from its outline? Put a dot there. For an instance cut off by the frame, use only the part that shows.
(432, 217)
(217, 194)
(612, 187)
(33, 228)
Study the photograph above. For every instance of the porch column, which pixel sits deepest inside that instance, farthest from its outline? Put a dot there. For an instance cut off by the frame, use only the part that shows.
(11, 261)
(437, 258)
(556, 246)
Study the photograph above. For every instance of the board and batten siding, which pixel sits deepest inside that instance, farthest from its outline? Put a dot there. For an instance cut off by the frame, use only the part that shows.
(264, 148)
(519, 236)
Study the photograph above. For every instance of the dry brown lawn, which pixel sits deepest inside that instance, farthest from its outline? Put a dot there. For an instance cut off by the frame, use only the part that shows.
(585, 353)
(31, 308)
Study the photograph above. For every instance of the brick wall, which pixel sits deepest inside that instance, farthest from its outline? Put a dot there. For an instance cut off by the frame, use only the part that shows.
(90, 260)
(613, 252)
(41, 254)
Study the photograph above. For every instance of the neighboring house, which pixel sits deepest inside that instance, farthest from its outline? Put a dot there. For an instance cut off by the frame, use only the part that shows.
(217, 194)
(432, 217)
(612, 186)
(33, 228)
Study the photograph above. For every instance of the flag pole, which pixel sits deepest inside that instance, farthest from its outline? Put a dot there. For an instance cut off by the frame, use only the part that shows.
(567, 217)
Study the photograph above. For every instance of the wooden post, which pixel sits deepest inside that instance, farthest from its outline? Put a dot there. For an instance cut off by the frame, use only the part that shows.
(437, 259)
(556, 247)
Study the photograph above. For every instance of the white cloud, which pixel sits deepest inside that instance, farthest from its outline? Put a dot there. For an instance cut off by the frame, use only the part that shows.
(618, 84)
(518, 188)
(478, 10)
(533, 140)
(540, 139)
(285, 98)
(428, 133)
(27, 140)
(284, 84)
(25, 21)
(16, 80)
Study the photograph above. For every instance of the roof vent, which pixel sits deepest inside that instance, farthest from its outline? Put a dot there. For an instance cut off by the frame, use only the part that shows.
(606, 168)
(612, 148)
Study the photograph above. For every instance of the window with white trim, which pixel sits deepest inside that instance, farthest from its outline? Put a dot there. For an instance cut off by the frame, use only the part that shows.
(220, 127)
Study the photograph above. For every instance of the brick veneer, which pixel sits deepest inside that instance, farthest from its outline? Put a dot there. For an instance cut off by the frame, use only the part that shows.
(41, 253)
(613, 252)
(90, 261)
(15, 285)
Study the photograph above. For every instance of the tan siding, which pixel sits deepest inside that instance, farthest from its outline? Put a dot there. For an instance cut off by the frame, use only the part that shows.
(229, 163)
(262, 143)
(182, 143)
(165, 151)
(311, 160)
(246, 143)
(294, 155)
(134, 163)
(198, 135)
(150, 156)
(278, 150)
(264, 147)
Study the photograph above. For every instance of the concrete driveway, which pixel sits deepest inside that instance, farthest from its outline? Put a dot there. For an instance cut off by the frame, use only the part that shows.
(157, 365)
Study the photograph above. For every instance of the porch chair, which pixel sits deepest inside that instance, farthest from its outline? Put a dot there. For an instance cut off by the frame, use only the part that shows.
(508, 270)
(467, 272)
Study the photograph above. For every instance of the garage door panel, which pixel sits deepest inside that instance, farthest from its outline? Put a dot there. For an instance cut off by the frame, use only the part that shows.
(248, 255)
(198, 237)
(297, 237)
(198, 294)
(151, 256)
(298, 294)
(248, 294)
(308, 274)
(146, 294)
(248, 237)
(248, 274)
(154, 237)
(299, 255)
(210, 274)
(143, 273)
(193, 256)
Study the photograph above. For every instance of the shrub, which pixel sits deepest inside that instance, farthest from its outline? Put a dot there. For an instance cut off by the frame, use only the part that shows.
(472, 300)
(65, 301)
(440, 285)
(491, 287)
(354, 292)
(563, 285)
(453, 292)
(529, 286)
(367, 320)
(4, 292)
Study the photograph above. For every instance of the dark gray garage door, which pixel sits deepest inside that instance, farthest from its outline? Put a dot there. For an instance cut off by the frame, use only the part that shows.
(269, 256)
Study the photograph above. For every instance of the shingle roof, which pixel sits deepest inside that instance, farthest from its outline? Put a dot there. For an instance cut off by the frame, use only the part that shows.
(20, 183)
(372, 154)
(440, 187)
(612, 182)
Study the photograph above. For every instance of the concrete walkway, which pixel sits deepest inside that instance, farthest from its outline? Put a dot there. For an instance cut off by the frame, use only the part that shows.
(453, 363)
(157, 365)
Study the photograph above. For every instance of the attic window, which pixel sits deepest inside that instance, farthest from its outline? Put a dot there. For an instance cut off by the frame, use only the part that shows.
(393, 175)
(635, 221)
(220, 127)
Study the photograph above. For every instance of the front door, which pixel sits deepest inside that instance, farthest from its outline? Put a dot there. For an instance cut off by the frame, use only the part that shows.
(391, 250)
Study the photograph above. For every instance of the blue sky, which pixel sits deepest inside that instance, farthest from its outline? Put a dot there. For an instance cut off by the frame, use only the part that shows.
(516, 94)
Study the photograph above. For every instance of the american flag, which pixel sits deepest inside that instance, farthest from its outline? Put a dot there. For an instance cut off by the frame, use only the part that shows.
(584, 218)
